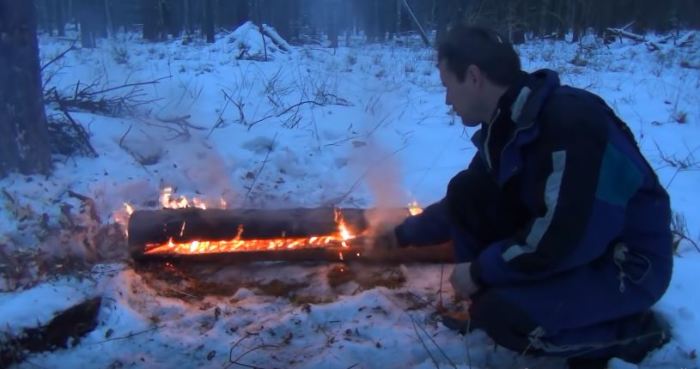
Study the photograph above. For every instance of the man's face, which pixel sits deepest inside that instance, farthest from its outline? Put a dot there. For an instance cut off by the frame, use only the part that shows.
(463, 96)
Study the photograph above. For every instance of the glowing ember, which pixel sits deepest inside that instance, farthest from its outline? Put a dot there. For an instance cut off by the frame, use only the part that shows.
(337, 239)
(236, 245)
(414, 208)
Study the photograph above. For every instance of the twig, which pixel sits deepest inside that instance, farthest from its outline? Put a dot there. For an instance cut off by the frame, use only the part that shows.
(435, 344)
(181, 119)
(469, 355)
(682, 236)
(123, 86)
(284, 112)
(220, 120)
(88, 201)
(9, 196)
(422, 342)
(442, 272)
(78, 128)
(684, 164)
(121, 140)
(130, 335)
(262, 35)
(235, 361)
(255, 180)
(59, 56)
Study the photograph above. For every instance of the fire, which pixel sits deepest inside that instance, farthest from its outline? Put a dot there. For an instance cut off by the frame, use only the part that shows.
(338, 238)
(237, 244)
(414, 208)
(167, 200)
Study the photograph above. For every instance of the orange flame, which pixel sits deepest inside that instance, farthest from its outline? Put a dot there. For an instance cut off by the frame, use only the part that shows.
(414, 208)
(338, 238)
(167, 200)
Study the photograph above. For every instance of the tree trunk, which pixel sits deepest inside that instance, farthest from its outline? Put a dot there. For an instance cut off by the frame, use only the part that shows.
(544, 28)
(24, 139)
(108, 18)
(88, 14)
(150, 13)
(332, 8)
(186, 17)
(442, 19)
(399, 5)
(59, 19)
(209, 20)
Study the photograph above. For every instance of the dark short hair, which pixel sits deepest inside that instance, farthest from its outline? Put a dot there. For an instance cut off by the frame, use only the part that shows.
(465, 45)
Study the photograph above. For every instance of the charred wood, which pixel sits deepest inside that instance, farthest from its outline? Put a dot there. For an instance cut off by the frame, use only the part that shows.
(65, 329)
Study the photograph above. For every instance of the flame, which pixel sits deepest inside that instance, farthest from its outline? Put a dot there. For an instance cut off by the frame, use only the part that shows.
(339, 238)
(167, 200)
(121, 217)
(414, 208)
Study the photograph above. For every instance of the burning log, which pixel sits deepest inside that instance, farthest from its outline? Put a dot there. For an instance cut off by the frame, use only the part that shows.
(353, 253)
(248, 235)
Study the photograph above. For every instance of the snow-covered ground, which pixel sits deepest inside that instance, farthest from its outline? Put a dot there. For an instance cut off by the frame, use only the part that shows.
(367, 127)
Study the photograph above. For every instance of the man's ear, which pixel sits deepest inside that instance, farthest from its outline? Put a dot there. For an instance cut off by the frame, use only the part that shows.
(474, 75)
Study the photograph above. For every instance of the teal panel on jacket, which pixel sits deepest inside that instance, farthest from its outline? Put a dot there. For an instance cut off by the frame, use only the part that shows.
(619, 179)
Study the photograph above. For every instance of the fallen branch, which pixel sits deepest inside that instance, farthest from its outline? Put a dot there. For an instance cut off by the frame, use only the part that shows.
(686, 40)
(82, 134)
(281, 44)
(622, 33)
(87, 97)
(126, 85)
(66, 328)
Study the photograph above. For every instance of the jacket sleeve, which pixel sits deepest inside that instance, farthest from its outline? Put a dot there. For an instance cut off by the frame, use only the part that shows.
(583, 188)
(431, 227)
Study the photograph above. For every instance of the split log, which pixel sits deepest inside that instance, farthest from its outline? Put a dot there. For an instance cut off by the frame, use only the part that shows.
(353, 254)
(189, 224)
(66, 328)
(158, 227)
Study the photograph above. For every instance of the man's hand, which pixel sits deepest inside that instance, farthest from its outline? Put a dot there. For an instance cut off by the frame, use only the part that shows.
(462, 282)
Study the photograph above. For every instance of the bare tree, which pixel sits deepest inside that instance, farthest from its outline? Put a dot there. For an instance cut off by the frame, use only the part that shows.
(209, 20)
(24, 139)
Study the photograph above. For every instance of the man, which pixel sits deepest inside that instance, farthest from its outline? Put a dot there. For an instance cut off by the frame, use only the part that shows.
(560, 227)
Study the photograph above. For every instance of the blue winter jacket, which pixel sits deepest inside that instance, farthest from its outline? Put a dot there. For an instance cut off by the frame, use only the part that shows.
(577, 181)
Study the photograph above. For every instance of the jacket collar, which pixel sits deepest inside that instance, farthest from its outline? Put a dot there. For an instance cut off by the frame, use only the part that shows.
(519, 107)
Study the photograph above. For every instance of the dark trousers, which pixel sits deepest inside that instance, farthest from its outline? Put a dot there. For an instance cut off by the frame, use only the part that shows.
(585, 312)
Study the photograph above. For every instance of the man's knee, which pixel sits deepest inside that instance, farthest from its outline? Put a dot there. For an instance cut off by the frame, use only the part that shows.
(502, 320)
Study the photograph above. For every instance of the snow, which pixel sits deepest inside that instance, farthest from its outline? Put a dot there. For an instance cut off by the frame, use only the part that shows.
(371, 128)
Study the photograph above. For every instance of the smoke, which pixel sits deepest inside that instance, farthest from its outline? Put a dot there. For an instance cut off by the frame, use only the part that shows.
(380, 168)
(383, 179)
